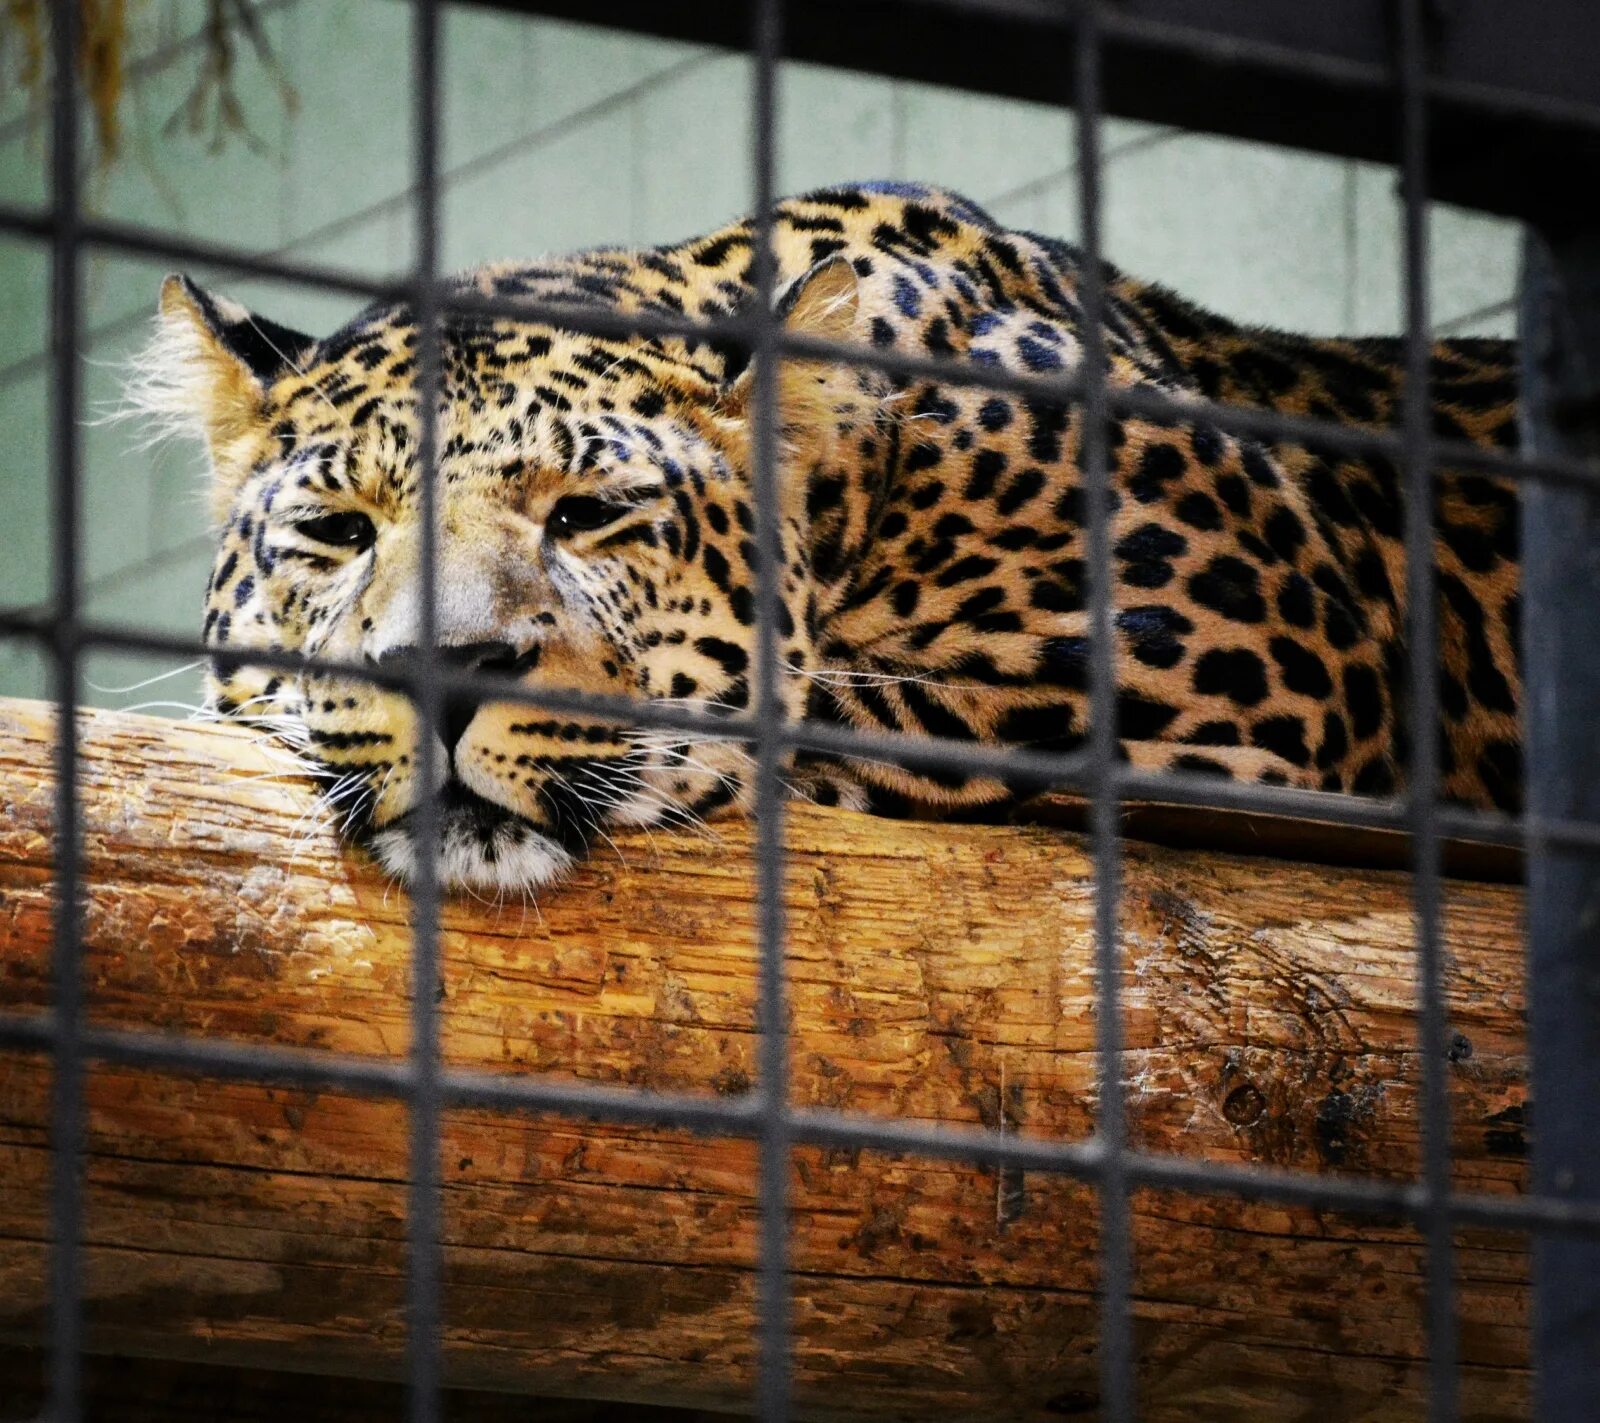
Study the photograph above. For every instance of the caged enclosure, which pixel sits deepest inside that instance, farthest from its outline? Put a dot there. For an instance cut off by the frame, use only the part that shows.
(1067, 940)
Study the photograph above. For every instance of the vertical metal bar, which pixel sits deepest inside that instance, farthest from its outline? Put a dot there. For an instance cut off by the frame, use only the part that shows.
(1422, 639)
(1116, 1252)
(1560, 330)
(67, 1124)
(772, 1395)
(423, 1244)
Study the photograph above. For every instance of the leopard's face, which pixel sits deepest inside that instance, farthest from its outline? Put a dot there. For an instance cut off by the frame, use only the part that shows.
(594, 534)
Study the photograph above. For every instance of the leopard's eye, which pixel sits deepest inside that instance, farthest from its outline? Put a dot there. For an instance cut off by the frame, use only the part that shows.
(344, 530)
(579, 513)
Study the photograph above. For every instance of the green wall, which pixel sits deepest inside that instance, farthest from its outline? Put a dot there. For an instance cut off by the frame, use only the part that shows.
(560, 135)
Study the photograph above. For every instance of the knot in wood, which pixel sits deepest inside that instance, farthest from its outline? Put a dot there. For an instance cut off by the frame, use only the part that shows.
(1244, 1104)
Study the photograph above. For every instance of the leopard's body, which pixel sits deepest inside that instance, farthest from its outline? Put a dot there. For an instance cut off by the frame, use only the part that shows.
(596, 532)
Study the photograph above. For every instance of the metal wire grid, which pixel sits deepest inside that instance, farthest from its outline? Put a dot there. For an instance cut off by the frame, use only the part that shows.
(766, 1115)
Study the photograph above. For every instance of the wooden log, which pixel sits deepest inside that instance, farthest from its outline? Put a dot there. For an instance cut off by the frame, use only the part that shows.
(937, 974)
(119, 1389)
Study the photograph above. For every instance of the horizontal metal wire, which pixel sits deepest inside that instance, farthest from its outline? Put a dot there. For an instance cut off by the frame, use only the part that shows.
(1180, 409)
(466, 1089)
(133, 240)
(1070, 769)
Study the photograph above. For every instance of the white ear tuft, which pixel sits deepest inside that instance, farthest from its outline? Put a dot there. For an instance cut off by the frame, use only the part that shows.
(207, 368)
(171, 385)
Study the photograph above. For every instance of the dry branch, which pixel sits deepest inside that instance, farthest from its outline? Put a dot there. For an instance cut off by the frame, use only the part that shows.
(938, 973)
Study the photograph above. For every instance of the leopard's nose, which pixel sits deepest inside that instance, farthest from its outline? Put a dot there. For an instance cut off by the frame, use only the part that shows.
(486, 658)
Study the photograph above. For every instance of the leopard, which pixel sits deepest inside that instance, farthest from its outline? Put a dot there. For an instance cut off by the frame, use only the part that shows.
(925, 538)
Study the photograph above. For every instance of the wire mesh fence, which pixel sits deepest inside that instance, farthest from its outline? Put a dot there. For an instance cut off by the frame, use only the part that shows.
(767, 1115)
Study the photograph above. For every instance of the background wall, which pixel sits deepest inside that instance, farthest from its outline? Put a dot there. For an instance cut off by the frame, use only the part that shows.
(558, 136)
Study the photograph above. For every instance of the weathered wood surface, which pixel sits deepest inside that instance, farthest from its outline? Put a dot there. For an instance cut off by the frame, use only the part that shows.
(938, 973)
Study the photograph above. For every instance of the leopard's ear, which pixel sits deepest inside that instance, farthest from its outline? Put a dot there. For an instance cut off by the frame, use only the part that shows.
(208, 368)
(825, 303)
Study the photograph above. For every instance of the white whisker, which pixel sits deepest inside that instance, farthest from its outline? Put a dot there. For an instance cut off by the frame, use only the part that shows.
(147, 682)
(189, 708)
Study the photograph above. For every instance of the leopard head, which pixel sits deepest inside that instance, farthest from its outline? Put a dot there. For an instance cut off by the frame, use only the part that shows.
(595, 518)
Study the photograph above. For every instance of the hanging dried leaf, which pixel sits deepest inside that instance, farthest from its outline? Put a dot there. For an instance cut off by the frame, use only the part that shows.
(24, 28)
(212, 105)
(102, 50)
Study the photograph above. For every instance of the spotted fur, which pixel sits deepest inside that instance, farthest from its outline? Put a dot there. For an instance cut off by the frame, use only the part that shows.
(597, 532)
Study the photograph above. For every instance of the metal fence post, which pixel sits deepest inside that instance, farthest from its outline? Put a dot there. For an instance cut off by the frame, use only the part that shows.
(1560, 321)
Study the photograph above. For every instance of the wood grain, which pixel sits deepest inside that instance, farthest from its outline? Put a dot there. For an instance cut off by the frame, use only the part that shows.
(937, 974)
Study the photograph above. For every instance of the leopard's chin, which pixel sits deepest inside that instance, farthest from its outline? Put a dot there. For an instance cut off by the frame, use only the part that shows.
(482, 846)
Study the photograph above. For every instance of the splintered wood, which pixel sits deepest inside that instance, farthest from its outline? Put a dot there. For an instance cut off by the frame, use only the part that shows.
(937, 974)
